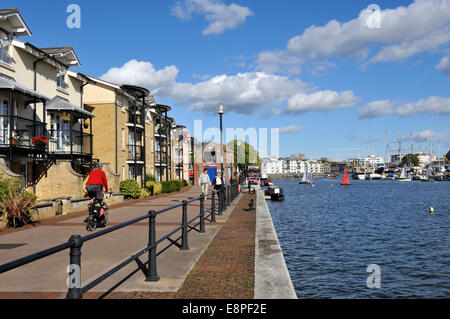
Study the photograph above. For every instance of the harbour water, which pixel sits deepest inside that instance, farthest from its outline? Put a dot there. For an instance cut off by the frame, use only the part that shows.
(330, 234)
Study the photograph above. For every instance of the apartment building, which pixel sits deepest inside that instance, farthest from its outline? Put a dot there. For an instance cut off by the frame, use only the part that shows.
(124, 127)
(42, 119)
(290, 166)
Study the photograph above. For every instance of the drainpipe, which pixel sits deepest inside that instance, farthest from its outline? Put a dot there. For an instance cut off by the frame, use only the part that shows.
(35, 63)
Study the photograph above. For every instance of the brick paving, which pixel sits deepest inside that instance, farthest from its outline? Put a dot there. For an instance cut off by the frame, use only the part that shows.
(224, 271)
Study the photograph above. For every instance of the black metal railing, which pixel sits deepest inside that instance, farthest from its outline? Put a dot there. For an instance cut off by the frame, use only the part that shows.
(220, 201)
(64, 142)
(136, 153)
(16, 131)
(136, 119)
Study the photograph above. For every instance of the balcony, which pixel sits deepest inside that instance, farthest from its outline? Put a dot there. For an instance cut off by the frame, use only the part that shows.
(137, 119)
(136, 153)
(160, 158)
(70, 144)
(16, 135)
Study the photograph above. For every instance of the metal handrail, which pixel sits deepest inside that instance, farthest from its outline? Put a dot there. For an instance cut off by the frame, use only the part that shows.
(225, 196)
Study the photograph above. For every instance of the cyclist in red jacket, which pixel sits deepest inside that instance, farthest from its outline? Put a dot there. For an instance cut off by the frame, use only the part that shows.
(96, 182)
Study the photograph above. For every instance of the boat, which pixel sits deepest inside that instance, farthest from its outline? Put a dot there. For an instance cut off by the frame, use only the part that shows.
(404, 176)
(391, 176)
(333, 176)
(359, 173)
(307, 179)
(275, 193)
(345, 180)
(371, 177)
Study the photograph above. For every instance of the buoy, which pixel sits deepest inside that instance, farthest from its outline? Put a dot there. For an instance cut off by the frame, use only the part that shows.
(431, 210)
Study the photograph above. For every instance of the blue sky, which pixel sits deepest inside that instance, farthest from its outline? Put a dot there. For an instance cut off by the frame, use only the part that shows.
(331, 74)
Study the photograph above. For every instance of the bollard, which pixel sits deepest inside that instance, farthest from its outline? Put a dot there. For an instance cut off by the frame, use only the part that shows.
(202, 214)
(152, 274)
(220, 195)
(213, 207)
(74, 280)
(184, 231)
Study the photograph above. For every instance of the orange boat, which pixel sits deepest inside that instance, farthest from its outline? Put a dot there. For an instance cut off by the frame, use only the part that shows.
(345, 180)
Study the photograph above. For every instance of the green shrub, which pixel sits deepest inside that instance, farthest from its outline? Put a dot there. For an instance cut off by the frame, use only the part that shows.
(145, 193)
(157, 188)
(130, 189)
(150, 178)
(185, 183)
(8, 185)
(172, 186)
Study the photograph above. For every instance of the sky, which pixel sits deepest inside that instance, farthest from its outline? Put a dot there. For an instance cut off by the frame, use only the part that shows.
(337, 78)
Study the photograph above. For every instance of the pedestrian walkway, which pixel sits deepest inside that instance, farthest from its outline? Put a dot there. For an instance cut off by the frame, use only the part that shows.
(46, 278)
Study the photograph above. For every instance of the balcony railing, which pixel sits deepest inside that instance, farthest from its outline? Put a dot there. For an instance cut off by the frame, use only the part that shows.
(138, 119)
(23, 131)
(136, 153)
(160, 157)
(65, 143)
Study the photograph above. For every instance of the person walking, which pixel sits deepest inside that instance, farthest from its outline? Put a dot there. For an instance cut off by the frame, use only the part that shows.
(204, 182)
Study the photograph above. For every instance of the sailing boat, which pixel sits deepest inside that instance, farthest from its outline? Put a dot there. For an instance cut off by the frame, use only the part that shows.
(345, 180)
(404, 177)
(306, 179)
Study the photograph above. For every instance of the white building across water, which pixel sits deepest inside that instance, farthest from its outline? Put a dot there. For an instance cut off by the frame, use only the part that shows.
(270, 166)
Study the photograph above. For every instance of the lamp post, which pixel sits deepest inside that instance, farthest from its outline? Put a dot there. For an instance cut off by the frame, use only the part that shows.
(221, 111)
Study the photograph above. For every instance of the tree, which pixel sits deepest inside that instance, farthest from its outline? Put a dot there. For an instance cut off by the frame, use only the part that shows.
(410, 160)
(239, 148)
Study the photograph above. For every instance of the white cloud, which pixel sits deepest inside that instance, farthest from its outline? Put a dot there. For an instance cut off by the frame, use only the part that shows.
(429, 136)
(220, 16)
(444, 65)
(431, 105)
(375, 109)
(422, 26)
(291, 129)
(242, 93)
(143, 74)
(321, 101)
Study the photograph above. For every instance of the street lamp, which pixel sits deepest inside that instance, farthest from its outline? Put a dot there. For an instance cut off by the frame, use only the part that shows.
(220, 110)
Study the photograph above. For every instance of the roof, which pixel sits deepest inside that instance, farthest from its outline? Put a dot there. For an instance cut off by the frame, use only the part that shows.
(10, 84)
(16, 20)
(60, 104)
(67, 55)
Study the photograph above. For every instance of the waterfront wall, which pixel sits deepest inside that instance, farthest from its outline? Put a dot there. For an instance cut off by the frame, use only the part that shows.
(272, 279)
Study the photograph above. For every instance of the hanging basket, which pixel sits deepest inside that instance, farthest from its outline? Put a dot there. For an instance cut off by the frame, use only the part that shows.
(65, 116)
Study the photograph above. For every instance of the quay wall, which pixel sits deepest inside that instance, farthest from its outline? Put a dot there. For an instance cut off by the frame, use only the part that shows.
(272, 279)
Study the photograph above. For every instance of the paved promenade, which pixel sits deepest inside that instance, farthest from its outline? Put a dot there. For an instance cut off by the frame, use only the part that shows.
(46, 278)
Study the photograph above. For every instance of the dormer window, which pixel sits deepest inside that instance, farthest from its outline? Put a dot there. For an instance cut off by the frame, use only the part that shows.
(61, 79)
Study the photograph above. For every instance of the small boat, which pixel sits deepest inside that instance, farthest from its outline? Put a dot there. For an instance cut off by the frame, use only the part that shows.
(275, 193)
(345, 180)
(307, 179)
(404, 176)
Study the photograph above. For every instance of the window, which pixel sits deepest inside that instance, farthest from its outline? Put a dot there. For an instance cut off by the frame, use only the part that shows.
(132, 172)
(4, 123)
(61, 79)
(123, 173)
(123, 138)
(5, 56)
